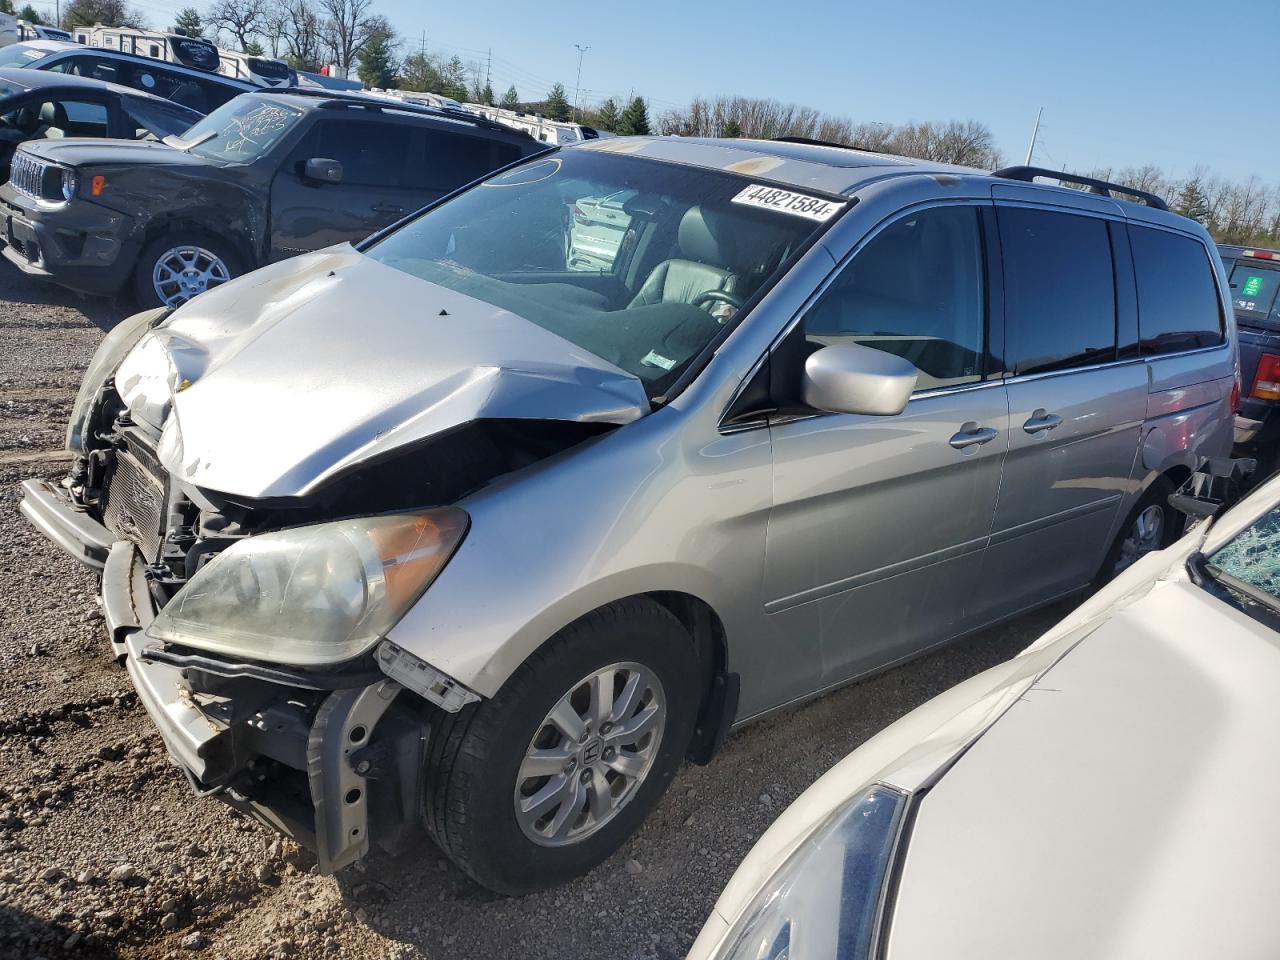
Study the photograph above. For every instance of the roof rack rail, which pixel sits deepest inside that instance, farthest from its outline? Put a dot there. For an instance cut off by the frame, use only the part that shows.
(1101, 187)
(370, 102)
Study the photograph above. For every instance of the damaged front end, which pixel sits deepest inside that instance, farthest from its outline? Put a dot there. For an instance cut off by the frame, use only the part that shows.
(252, 614)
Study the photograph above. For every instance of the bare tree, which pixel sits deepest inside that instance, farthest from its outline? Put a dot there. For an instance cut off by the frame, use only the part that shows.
(347, 28)
(242, 19)
(302, 31)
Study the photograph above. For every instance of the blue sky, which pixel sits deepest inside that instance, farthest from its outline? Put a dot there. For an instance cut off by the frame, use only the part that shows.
(1122, 83)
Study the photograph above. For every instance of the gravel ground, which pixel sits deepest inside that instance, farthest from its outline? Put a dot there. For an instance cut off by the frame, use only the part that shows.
(104, 852)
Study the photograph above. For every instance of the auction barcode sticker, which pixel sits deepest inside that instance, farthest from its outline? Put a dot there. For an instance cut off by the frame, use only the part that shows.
(786, 201)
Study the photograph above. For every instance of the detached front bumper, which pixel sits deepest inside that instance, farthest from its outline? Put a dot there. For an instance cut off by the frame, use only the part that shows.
(332, 767)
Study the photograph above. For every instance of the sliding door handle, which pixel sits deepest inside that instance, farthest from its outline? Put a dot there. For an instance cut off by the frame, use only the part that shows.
(1041, 421)
(971, 435)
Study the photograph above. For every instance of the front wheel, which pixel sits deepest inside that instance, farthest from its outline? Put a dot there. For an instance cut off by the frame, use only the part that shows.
(176, 267)
(552, 775)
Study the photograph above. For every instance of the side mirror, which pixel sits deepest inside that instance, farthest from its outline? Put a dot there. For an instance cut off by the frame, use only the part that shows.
(322, 170)
(851, 378)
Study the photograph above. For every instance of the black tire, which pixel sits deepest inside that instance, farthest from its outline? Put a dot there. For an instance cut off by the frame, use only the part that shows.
(144, 290)
(475, 755)
(1173, 525)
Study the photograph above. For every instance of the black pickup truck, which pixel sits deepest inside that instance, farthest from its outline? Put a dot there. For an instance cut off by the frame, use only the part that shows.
(266, 176)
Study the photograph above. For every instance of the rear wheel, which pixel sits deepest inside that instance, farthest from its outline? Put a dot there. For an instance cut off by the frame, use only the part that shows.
(176, 267)
(550, 777)
(1152, 525)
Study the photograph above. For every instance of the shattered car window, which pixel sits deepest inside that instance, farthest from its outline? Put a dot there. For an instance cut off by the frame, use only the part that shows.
(1253, 555)
(241, 130)
(638, 261)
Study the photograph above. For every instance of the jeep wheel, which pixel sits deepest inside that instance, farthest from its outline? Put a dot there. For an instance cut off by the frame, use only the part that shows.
(176, 267)
(552, 775)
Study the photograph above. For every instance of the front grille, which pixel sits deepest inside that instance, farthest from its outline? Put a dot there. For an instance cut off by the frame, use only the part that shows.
(26, 173)
(134, 506)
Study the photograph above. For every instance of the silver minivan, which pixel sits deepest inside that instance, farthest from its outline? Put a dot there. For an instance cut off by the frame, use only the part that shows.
(444, 530)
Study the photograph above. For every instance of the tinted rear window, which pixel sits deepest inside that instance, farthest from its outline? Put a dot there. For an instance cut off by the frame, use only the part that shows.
(1178, 306)
(1060, 297)
(454, 159)
(1253, 290)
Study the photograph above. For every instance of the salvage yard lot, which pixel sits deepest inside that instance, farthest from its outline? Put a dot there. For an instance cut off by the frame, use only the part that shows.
(105, 852)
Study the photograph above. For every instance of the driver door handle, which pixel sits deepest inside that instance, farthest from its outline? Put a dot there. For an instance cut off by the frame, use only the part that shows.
(387, 208)
(973, 435)
(1041, 421)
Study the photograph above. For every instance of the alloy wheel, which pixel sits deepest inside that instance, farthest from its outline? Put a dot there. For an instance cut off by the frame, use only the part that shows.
(1146, 535)
(185, 271)
(590, 754)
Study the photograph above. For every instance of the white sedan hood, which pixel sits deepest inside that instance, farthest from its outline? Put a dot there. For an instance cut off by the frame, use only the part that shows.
(1125, 806)
(277, 382)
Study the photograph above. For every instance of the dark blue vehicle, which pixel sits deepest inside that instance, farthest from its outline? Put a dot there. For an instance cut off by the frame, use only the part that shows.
(1255, 282)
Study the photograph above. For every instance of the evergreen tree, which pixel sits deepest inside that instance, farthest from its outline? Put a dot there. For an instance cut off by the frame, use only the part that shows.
(731, 130)
(420, 74)
(557, 105)
(454, 80)
(486, 94)
(608, 117)
(375, 63)
(254, 49)
(510, 99)
(635, 119)
(1192, 202)
(6, 6)
(189, 23)
(29, 14)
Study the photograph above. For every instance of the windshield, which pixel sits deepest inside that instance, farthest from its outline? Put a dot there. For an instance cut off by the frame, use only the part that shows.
(1252, 559)
(241, 130)
(21, 55)
(640, 262)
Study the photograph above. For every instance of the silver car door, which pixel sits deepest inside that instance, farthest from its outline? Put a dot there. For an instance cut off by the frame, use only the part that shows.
(1077, 399)
(879, 523)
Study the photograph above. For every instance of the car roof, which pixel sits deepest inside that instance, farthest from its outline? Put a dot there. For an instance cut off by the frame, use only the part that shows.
(836, 169)
(829, 168)
(309, 98)
(44, 80)
(61, 46)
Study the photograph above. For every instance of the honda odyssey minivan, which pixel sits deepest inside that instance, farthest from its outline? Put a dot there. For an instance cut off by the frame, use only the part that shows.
(443, 530)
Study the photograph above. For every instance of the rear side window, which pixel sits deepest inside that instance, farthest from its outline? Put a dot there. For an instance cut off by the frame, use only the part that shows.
(452, 159)
(1253, 290)
(915, 290)
(1060, 290)
(1178, 306)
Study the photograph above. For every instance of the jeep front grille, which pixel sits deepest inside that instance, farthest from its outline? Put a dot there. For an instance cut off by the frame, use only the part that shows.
(26, 173)
(134, 505)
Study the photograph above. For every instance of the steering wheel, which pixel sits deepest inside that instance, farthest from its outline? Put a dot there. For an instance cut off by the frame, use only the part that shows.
(717, 296)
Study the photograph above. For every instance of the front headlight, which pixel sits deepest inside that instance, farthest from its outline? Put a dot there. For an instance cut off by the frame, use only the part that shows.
(823, 902)
(312, 595)
(68, 184)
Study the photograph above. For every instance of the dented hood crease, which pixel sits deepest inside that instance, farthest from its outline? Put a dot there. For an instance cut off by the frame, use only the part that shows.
(273, 384)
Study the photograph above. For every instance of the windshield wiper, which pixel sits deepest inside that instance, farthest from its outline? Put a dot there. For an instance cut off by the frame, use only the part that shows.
(179, 144)
(1201, 570)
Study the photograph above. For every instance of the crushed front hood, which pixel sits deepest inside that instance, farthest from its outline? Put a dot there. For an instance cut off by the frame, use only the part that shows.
(274, 384)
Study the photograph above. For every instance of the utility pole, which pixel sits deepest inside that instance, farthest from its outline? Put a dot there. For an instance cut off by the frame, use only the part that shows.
(423, 49)
(577, 87)
(1035, 133)
(488, 66)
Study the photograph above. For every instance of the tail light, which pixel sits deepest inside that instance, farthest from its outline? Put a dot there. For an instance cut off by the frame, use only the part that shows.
(580, 215)
(1266, 383)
